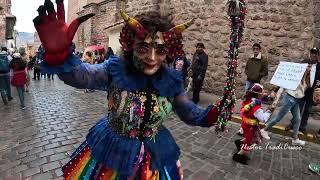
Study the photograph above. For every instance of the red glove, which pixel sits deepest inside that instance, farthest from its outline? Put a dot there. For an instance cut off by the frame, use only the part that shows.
(55, 35)
(213, 116)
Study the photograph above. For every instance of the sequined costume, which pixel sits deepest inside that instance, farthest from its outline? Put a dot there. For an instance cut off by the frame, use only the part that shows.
(251, 114)
(132, 136)
(131, 141)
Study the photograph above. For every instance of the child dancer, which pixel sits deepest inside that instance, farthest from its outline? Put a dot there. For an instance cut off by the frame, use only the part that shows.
(251, 114)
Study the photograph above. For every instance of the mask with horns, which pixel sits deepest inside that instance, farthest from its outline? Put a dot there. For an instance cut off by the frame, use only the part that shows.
(134, 29)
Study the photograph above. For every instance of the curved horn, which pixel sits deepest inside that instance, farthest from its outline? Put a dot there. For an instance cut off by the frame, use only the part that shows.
(133, 23)
(181, 27)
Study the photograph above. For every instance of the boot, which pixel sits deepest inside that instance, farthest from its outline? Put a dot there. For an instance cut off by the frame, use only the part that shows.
(240, 158)
(238, 143)
(5, 101)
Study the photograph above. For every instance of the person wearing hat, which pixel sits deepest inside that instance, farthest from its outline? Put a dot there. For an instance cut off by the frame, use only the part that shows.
(251, 114)
(256, 67)
(307, 102)
(291, 102)
(199, 68)
(19, 78)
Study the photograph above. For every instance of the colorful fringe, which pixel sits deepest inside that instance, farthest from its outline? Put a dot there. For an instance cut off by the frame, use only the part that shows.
(83, 166)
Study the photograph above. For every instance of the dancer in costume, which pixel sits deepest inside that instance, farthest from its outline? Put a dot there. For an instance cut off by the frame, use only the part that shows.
(131, 142)
(251, 114)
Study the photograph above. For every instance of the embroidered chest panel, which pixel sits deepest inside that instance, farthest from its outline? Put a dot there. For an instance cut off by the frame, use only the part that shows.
(137, 113)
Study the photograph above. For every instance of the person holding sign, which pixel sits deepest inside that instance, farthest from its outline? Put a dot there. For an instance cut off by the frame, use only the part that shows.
(307, 103)
(291, 102)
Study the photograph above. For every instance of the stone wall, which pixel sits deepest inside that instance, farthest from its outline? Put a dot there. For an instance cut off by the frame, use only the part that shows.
(5, 9)
(286, 29)
(316, 22)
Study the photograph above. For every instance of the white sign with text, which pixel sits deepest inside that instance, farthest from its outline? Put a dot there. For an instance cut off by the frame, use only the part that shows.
(288, 75)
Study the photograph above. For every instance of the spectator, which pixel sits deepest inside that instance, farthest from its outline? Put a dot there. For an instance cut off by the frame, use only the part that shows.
(19, 79)
(5, 88)
(81, 55)
(256, 67)
(291, 102)
(96, 57)
(199, 68)
(24, 56)
(316, 96)
(88, 57)
(10, 53)
(109, 53)
(307, 101)
(181, 64)
(101, 57)
(34, 64)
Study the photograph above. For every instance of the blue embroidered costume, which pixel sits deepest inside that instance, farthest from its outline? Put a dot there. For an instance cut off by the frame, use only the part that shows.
(131, 141)
(137, 106)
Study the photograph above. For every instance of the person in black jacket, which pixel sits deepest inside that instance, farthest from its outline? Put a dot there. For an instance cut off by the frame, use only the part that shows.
(109, 53)
(199, 68)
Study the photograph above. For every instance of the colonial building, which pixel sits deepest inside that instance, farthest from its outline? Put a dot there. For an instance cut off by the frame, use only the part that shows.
(7, 22)
(284, 28)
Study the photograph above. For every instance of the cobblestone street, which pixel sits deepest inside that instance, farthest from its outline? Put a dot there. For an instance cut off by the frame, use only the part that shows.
(37, 141)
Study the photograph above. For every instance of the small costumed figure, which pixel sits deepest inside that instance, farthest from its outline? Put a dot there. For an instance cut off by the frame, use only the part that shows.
(251, 114)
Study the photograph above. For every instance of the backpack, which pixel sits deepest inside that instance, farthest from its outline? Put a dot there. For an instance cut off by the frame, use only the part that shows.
(4, 63)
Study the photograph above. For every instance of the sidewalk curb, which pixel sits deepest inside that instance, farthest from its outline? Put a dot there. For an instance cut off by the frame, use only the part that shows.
(281, 130)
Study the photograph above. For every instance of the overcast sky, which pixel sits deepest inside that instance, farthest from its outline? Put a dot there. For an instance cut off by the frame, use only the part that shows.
(25, 11)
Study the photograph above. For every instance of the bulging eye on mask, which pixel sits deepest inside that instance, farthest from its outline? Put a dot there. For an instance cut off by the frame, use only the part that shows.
(144, 48)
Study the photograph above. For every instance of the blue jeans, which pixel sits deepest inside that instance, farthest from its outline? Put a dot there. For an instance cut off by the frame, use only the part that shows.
(20, 90)
(248, 85)
(5, 87)
(3, 94)
(289, 103)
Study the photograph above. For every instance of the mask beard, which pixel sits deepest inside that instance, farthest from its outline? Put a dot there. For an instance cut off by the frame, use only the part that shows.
(138, 63)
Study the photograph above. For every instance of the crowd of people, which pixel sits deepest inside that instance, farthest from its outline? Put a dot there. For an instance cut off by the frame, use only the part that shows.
(298, 102)
(15, 69)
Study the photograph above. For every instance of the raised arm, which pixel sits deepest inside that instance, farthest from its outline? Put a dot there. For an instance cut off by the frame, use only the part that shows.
(56, 50)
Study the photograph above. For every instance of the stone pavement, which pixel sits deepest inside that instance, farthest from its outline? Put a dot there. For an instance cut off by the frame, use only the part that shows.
(36, 142)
